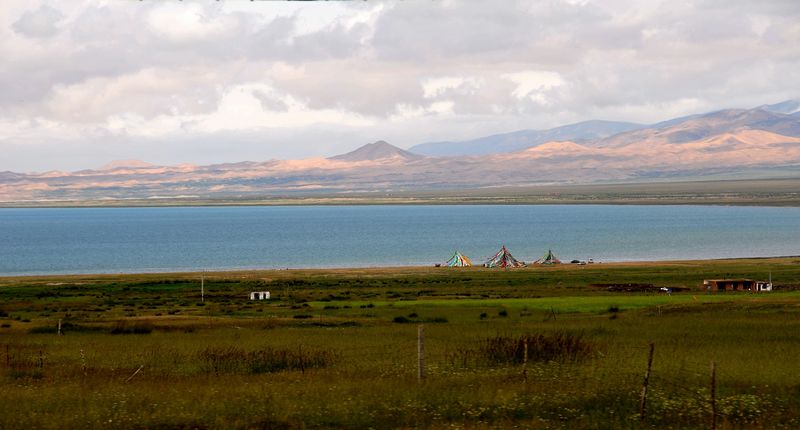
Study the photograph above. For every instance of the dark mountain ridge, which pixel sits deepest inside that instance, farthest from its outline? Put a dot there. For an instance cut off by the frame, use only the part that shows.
(377, 151)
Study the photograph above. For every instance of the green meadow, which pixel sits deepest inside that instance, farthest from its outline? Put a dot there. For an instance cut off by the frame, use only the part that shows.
(338, 348)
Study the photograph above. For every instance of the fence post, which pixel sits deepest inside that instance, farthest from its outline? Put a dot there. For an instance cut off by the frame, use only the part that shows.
(713, 395)
(135, 373)
(643, 405)
(525, 360)
(420, 353)
(83, 362)
(302, 361)
(59, 327)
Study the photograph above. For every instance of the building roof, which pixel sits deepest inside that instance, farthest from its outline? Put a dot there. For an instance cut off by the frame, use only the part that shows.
(729, 280)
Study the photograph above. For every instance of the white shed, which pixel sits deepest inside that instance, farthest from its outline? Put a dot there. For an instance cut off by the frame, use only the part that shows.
(259, 295)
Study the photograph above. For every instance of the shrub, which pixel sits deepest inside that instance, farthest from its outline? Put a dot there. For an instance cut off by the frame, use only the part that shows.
(503, 313)
(138, 327)
(66, 327)
(401, 320)
(559, 346)
(336, 324)
(266, 360)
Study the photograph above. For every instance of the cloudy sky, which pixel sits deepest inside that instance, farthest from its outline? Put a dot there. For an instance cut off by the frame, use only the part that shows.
(83, 83)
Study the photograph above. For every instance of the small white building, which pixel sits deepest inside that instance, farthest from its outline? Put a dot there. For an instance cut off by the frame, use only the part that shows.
(259, 295)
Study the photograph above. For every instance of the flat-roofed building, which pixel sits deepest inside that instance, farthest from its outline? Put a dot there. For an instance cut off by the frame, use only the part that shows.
(736, 285)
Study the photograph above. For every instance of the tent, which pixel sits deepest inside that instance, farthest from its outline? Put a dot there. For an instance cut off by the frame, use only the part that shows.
(458, 260)
(549, 258)
(503, 259)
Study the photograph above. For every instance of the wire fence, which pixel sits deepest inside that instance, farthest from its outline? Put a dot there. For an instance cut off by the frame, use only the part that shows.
(688, 387)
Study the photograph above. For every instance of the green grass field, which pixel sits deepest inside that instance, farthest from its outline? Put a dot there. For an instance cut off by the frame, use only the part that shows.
(338, 349)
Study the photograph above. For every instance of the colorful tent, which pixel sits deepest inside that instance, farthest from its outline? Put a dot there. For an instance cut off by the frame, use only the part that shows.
(503, 259)
(458, 260)
(549, 258)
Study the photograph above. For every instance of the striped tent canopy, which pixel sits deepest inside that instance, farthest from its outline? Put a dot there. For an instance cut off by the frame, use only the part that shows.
(458, 260)
(549, 258)
(503, 259)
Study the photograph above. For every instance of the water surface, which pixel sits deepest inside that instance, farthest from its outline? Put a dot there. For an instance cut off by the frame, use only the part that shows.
(110, 240)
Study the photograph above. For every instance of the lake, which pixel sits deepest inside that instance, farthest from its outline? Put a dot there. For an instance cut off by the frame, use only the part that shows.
(111, 240)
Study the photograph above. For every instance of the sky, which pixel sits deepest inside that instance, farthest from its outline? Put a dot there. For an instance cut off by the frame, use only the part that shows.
(83, 83)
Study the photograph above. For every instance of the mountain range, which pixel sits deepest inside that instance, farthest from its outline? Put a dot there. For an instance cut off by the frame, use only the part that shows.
(732, 143)
(518, 140)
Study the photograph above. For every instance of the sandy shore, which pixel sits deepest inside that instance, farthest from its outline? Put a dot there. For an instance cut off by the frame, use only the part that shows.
(56, 279)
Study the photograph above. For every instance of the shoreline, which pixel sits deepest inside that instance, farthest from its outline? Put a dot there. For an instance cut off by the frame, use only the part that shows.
(441, 201)
(394, 270)
(773, 192)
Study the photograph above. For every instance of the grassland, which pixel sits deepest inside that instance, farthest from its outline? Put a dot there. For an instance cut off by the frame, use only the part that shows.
(338, 349)
(747, 192)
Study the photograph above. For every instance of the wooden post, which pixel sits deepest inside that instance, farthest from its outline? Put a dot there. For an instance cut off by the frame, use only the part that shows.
(713, 395)
(643, 404)
(41, 360)
(59, 327)
(420, 353)
(83, 362)
(135, 373)
(302, 361)
(203, 287)
(525, 360)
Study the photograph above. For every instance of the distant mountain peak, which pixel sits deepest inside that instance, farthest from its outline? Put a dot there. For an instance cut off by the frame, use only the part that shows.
(787, 107)
(377, 151)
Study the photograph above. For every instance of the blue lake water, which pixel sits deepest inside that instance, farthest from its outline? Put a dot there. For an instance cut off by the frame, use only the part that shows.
(110, 240)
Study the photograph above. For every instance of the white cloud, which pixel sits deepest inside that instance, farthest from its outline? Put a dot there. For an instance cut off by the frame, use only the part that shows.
(147, 93)
(240, 109)
(434, 87)
(271, 100)
(40, 23)
(533, 83)
(191, 22)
